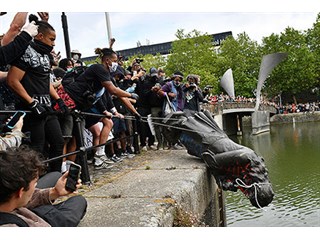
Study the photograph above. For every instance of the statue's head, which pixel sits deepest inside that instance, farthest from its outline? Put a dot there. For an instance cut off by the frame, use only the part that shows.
(246, 172)
(257, 186)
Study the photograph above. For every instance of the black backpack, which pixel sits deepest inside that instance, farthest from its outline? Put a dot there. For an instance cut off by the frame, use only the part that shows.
(73, 75)
(80, 91)
(7, 218)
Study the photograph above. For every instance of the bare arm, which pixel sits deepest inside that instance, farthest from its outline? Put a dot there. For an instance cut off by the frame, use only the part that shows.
(17, 23)
(113, 90)
(14, 78)
(53, 92)
(128, 104)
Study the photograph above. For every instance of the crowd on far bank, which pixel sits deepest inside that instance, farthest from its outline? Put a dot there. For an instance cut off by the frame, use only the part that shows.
(299, 107)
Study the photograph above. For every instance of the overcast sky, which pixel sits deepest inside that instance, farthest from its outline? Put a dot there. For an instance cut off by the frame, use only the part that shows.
(148, 25)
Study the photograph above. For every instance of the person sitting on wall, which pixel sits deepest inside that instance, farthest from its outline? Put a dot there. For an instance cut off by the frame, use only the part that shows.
(22, 204)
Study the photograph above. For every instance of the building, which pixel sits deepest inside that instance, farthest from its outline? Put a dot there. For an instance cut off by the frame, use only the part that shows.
(162, 48)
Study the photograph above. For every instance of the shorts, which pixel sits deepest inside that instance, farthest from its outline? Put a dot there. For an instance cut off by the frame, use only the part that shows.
(119, 125)
(66, 124)
(91, 120)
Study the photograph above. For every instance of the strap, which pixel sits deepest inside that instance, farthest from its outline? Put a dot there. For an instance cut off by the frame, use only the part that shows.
(7, 218)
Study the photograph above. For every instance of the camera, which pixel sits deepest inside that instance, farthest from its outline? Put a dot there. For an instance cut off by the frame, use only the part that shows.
(139, 60)
(89, 96)
(192, 85)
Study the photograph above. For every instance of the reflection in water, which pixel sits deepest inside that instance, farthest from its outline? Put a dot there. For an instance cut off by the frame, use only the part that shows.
(292, 156)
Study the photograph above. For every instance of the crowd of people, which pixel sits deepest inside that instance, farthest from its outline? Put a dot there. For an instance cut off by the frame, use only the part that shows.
(26, 191)
(111, 101)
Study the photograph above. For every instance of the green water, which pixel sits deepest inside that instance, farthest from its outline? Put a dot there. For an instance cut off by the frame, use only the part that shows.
(292, 156)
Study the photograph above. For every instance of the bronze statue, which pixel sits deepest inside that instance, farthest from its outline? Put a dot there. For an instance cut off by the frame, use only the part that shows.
(234, 166)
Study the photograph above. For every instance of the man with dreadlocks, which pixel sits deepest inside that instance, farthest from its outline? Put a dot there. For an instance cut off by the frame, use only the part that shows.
(29, 77)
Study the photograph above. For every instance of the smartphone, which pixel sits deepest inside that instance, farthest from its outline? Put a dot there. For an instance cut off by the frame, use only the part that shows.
(73, 177)
(13, 121)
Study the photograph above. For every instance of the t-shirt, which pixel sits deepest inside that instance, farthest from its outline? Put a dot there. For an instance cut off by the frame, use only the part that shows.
(36, 80)
(89, 81)
(94, 76)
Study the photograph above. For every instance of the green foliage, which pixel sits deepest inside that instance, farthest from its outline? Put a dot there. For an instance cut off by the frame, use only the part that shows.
(193, 53)
(242, 55)
(298, 72)
(148, 61)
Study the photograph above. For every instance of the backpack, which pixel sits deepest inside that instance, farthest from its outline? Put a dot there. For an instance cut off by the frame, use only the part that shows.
(80, 91)
(7, 218)
(73, 75)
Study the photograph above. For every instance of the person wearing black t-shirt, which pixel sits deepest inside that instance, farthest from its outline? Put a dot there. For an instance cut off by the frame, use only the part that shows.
(89, 87)
(29, 77)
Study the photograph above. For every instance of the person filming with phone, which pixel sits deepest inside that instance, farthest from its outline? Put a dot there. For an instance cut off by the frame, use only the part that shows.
(23, 204)
(11, 132)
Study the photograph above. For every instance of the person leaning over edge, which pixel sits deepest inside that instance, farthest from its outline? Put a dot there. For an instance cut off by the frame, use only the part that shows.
(19, 173)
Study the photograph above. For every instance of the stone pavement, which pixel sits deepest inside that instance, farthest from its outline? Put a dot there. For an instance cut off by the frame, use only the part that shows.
(156, 188)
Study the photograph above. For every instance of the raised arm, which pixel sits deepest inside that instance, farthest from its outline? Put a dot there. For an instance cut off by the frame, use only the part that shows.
(15, 27)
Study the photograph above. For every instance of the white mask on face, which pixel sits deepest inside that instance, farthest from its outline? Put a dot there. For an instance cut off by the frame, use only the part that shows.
(75, 57)
(113, 67)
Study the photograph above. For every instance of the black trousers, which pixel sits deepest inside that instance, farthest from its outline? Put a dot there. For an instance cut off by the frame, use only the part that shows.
(144, 129)
(46, 130)
(65, 214)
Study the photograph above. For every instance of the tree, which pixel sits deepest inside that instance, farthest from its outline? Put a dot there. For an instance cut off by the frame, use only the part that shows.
(297, 73)
(313, 41)
(242, 55)
(148, 61)
(193, 53)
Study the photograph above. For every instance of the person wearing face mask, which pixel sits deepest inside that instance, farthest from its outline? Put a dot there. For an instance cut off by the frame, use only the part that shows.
(193, 95)
(174, 91)
(75, 56)
(29, 78)
(87, 91)
(66, 64)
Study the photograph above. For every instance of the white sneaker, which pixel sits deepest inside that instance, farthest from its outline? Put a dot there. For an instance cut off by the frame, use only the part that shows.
(103, 165)
(152, 148)
(144, 148)
(102, 158)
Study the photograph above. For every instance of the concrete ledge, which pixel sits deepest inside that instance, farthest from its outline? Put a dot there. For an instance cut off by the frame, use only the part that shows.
(150, 195)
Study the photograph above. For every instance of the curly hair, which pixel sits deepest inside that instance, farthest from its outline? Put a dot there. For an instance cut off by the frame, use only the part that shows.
(104, 52)
(18, 167)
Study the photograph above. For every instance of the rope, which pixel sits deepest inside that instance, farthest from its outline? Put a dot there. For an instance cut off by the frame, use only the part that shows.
(255, 185)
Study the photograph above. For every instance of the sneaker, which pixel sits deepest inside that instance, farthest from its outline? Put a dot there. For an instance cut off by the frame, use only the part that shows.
(103, 158)
(115, 158)
(144, 148)
(103, 165)
(124, 155)
(131, 155)
(177, 147)
(129, 149)
(152, 147)
(90, 161)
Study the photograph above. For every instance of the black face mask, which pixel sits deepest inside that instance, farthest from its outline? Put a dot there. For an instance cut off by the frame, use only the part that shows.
(41, 47)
